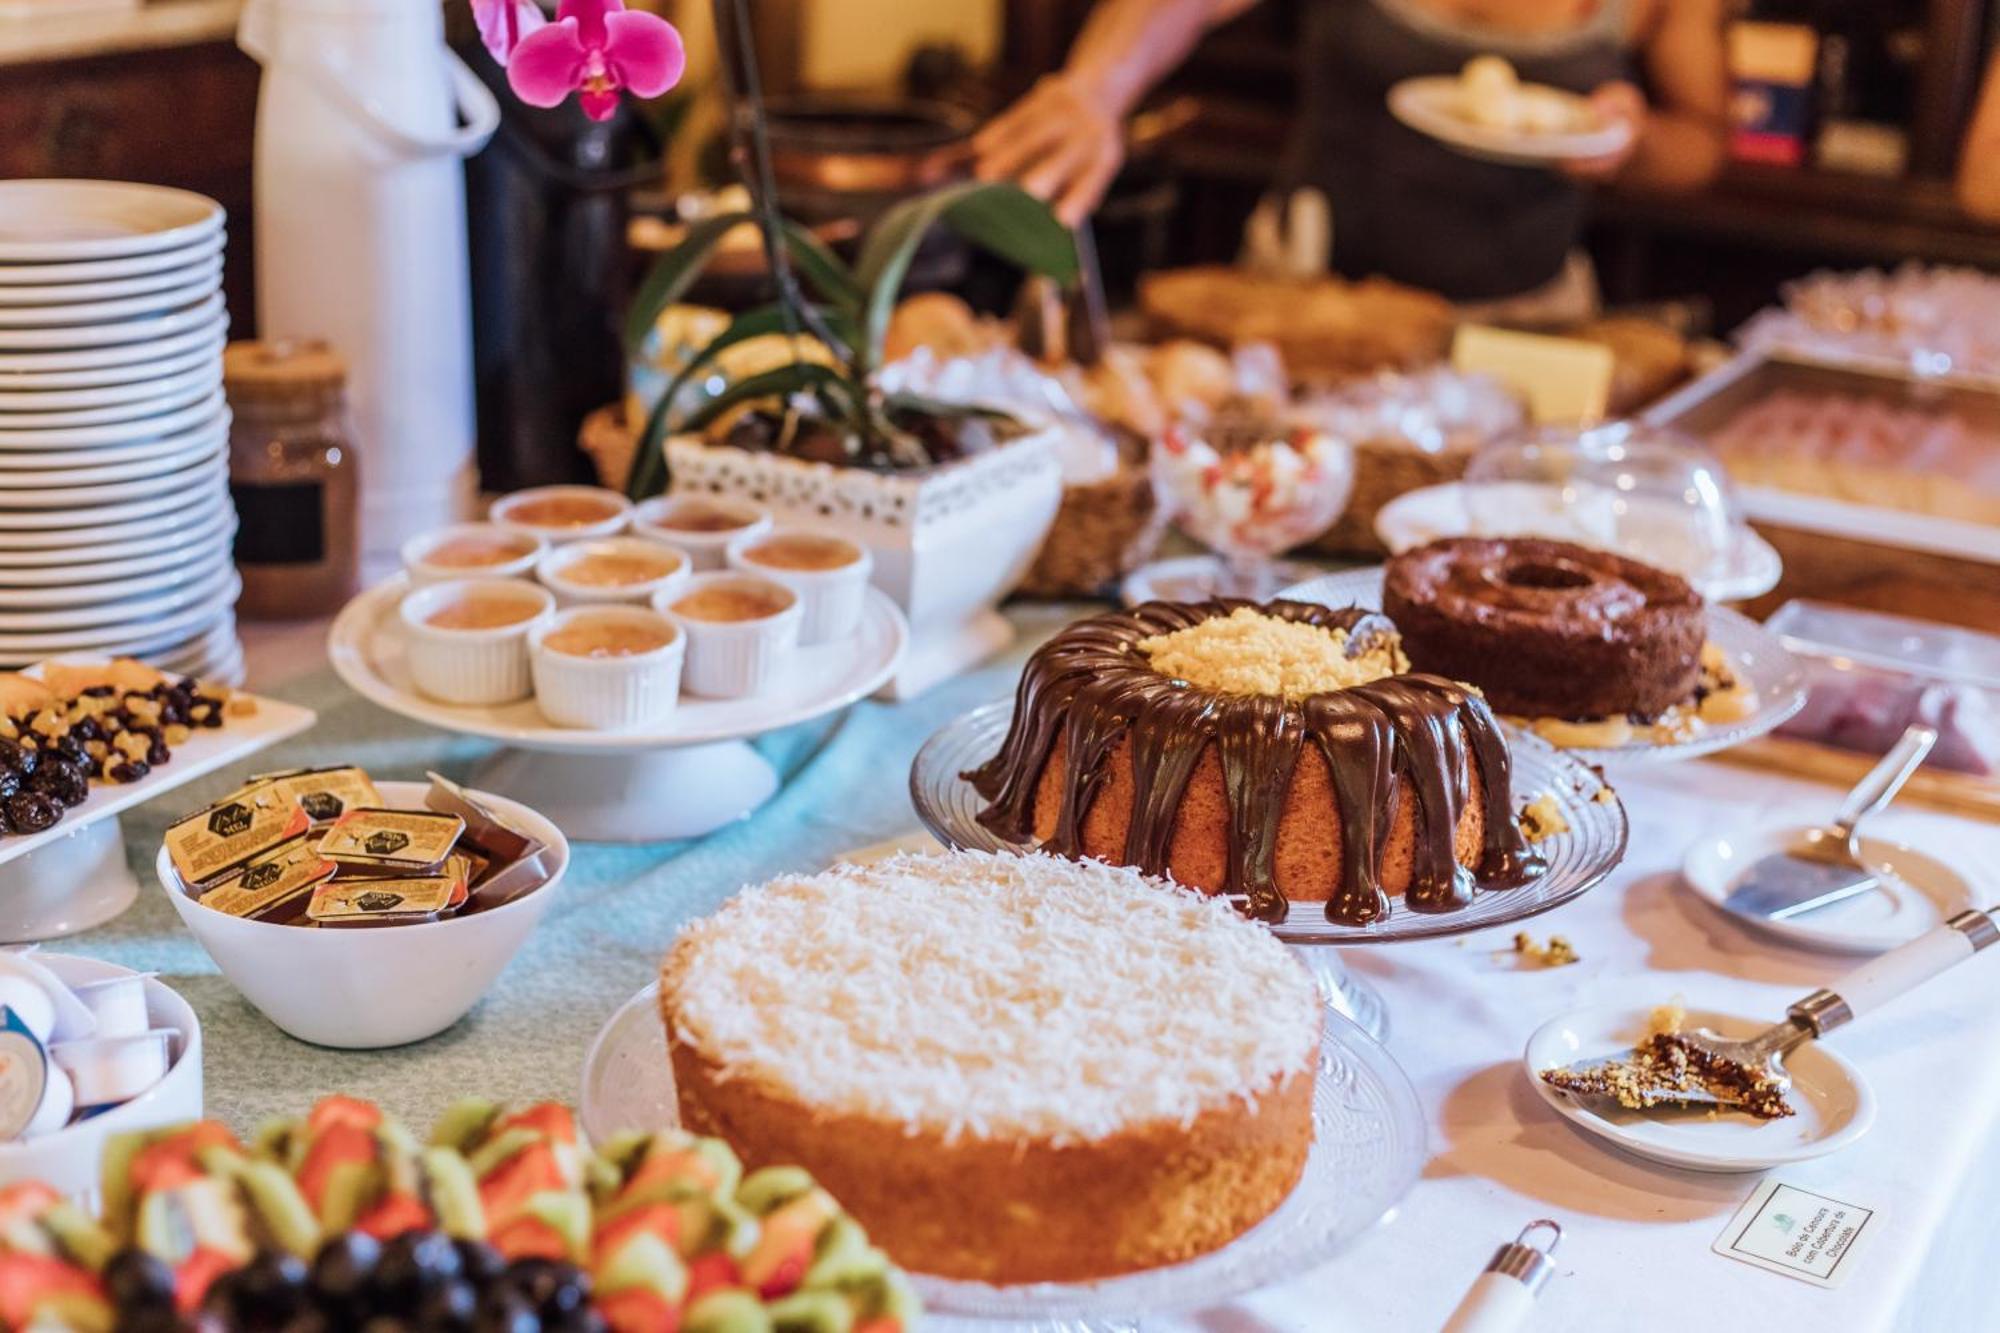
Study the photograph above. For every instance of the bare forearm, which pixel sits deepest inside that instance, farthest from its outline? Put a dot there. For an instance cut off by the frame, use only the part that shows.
(1679, 150)
(1127, 46)
(1979, 168)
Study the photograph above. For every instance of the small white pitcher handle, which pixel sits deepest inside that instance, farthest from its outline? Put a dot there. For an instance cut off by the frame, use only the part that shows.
(474, 101)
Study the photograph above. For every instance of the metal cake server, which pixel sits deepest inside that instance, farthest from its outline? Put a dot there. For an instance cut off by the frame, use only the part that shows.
(1745, 1073)
(1824, 865)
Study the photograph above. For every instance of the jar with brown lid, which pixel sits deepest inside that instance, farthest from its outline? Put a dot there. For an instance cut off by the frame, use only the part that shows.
(292, 472)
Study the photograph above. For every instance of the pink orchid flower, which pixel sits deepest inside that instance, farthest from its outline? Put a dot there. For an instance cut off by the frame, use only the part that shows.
(596, 48)
(503, 23)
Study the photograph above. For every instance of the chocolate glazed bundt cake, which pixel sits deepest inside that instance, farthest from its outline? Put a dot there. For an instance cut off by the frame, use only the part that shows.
(1281, 752)
(1547, 628)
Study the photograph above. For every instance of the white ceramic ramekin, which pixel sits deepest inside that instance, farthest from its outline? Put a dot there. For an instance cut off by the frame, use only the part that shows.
(506, 511)
(832, 598)
(472, 666)
(551, 569)
(607, 693)
(729, 659)
(708, 550)
(361, 989)
(417, 548)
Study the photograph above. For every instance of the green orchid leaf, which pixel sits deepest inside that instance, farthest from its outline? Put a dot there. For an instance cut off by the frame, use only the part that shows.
(649, 461)
(675, 272)
(999, 217)
(937, 407)
(823, 269)
(782, 381)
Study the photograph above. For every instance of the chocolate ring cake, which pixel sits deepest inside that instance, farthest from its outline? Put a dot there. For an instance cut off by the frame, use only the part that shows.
(1548, 628)
(934, 1038)
(1281, 752)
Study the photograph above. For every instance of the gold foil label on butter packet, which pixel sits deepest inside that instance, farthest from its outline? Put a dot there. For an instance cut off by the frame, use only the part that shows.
(325, 794)
(392, 839)
(267, 884)
(341, 903)
(211, 843)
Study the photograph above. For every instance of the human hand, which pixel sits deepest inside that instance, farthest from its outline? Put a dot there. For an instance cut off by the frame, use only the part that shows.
(1062, 142)
(1614, 103)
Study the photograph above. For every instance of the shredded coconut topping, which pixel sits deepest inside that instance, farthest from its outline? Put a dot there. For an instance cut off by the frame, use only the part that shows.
(983, 996)
(1248, 652)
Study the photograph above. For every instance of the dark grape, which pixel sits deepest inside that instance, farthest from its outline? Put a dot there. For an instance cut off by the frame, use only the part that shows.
(17, 756)
(64, 780)
(552, 1287)
(341, 1271)
(30, 812)
(480, 1262)
(413, 1264)
(134, 1280)
(271, 1287)
(312, 1321)
(501, 1311)
(447, 1308)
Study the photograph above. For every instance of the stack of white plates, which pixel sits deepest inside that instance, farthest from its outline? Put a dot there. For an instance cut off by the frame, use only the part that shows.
(115, 519)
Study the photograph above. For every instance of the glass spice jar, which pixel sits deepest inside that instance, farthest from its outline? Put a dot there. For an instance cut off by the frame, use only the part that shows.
(292, 473)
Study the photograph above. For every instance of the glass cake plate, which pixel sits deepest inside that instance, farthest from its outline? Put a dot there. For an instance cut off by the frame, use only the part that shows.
(1779, 680)
(1578, 858)
(1368, 1150)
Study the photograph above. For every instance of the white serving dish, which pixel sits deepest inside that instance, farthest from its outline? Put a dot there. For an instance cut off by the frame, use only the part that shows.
(74, 876)
(202, 412)
(206, 268)
(62, 221)
(607, 693)
(206, 317)
(68, 1159)
(124, 530)
(1431, 106)
(1834, 1104)
(163, 579)
(948, 542)
(63, 466)
(364, 988)
(187, 254)
(114, 406)
(200, 371)
(145, 354)
(200, 355)
(70, 314)
(481, 667)
(134, 470)
(127, 613)
(686, 775)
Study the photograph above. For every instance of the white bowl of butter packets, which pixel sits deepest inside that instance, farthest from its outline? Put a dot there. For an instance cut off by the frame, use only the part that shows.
(88, 1049)
(357, 914)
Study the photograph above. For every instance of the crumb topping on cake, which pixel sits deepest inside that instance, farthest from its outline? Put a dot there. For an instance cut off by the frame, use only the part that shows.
(1247, 652)
(974, 995)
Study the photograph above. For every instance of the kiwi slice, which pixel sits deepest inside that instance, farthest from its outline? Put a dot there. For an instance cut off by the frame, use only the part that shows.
(728, 1311)
(648, 1262)
(763, 1192)
(842, 1254)
(350, 1188)
(464, 1123)
(499, 1148)
(453, 1194)
(79, 1237)
(279, 1208)
(812, 1312)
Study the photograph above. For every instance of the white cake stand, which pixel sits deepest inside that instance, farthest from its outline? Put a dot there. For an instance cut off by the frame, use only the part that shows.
(1578, 858)
(687, 775)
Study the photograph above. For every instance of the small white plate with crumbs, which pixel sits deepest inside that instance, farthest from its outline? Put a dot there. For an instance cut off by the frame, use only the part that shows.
(1913, 892)
(1831, 1102)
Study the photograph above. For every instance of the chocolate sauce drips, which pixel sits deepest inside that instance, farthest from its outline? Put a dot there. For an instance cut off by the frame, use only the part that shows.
(1412, 734)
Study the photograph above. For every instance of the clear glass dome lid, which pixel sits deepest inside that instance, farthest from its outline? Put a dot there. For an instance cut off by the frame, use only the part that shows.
(1654, 495)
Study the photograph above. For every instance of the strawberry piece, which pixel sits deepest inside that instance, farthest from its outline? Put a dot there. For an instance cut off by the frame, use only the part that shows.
(881, 1323)
(27, 1280)
(662, 1219)
(196, 1275)
(340, 1110)
(786, 1277)
(528, 1238)
(711, 1272)
(505, 1190)
(674, 1168)
(552, 1119)
(169, 1163)
(636, 1310)
(25, 1201)
(393, 1216)
(336, 1145)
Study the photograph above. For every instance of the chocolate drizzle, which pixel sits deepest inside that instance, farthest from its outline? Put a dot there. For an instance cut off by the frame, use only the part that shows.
(1408, 736)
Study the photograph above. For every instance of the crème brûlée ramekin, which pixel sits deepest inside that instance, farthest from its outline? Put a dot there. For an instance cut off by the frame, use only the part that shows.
(606, 668)
(741, 630)
(827, 571)
(467, 639)
(471, 551)
(612, 570)
(701, 525)
(559, 514)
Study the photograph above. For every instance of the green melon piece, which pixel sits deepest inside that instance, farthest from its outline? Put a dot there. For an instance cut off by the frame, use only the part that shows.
(842, 1254)
(568, 1215)
(765, 1191)
(453, 1194)
(499, 1148)
(727, 1311)
(647, 1262)
(86, 1244)
(286, 1215)
(812, 1312)
(463, 1124)
(350, 1188)
(71, 1312)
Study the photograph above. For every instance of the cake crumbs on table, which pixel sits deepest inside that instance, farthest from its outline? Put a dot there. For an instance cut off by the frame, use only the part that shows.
(1542, 818)
(1558, 952)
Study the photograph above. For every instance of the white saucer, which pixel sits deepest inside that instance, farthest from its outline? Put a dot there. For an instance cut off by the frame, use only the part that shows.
(197, 414)
(95, 486)
(59, 467)
(121, 358)
(1750, 567)
(120, 589)
(133, 612)
(109, 270)
(206, 268)
(121, 639)
(89, 534)
(183, 538)
(1918, 892)
(27, 383)
(1430, 106)
(204, 317)
(1193, 578)
(112, 407)
(62, 221)
(67, 314)
(1833, 1102)
(203, 368)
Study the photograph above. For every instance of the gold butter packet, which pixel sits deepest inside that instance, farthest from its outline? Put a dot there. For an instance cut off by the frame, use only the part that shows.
(210, 844)
(326, 793)
(336, 903)
(411, 840)
(274, 885)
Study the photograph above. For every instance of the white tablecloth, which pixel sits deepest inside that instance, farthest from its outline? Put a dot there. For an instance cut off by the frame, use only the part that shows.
(1636, 1254)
